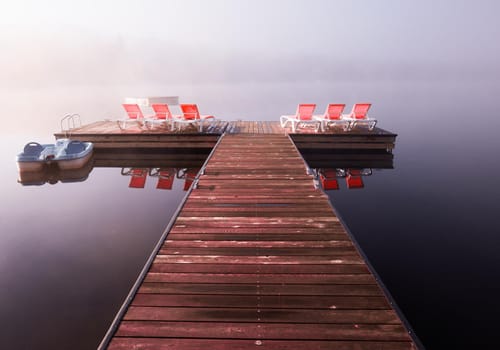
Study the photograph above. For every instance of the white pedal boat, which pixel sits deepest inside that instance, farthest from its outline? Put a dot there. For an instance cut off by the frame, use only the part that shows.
(67, 154)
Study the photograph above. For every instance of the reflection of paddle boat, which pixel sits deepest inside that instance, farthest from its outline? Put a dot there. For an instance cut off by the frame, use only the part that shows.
(52, 174)
(67, 154)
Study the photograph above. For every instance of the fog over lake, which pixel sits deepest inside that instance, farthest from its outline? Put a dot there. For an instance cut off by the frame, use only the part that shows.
(430, 69)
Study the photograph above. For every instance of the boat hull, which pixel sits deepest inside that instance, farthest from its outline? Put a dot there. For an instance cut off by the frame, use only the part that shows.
(72, 164)
(33, 166)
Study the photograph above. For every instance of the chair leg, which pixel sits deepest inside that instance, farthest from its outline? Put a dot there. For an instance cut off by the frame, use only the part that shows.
(284, 121)
(319, 126)
(212, 125)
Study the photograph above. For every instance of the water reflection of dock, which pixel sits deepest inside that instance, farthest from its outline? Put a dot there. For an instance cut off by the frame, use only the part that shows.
(257, 257)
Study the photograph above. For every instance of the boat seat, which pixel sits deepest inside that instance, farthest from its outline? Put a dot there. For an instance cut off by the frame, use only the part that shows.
(33, 149)
(75, 147)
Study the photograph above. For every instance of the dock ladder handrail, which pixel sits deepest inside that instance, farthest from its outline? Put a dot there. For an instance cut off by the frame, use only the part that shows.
(72, 121)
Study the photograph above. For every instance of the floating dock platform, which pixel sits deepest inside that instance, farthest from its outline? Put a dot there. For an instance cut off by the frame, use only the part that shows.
(107, 134)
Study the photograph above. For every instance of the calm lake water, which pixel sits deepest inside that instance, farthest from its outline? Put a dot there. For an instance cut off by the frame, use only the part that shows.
(70, 252)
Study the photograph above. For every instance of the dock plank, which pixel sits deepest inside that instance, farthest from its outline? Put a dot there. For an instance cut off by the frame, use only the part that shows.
(255, 244)
(261, 289)
(222, 330)
(264, 315)
(250, 344)
(262, 269)
(328, 302)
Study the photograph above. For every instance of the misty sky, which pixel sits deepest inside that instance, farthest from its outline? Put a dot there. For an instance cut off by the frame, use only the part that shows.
(47, 43)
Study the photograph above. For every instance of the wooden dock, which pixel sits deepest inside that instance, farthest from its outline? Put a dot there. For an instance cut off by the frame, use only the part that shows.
(107, 135)
(257, 257)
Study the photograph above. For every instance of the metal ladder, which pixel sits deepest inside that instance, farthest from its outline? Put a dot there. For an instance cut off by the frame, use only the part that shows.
(69, 122)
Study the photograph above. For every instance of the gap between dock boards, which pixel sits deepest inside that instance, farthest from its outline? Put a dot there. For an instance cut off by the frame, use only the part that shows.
(257, 257)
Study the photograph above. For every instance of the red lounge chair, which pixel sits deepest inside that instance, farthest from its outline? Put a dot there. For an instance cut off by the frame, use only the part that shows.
(354, 179)
(137, 177)
(134, 114)
(359, 116)
(191, 115)
(165, 178)
(303, 116)
(333, 115)
(162, 114)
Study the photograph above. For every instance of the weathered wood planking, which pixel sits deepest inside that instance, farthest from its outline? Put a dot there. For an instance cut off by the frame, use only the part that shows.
(257, 257)
(249, 344)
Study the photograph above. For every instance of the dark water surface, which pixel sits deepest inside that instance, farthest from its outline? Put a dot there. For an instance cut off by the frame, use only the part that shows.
(70, 252)
(430, 226)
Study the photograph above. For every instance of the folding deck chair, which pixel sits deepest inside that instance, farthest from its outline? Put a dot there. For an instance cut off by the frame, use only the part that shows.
(162, 114)
(359, 116)
(303, 116)
(333, 116)
(191, 116)
(134, 114)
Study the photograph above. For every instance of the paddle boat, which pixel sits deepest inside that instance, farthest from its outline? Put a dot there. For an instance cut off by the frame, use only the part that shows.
(65, 153)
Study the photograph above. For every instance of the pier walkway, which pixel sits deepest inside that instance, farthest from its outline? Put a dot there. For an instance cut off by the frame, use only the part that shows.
(257, 258)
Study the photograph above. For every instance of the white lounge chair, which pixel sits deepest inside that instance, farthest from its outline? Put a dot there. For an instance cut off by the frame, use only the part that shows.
(303, 116)
(134, 114)
(333, 116)
(191, 116)
(162, 114)
(359, 116)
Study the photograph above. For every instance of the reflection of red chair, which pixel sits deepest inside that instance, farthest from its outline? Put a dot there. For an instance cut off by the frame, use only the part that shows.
(354, 179)
(328, 178)
(165, 177)
(189, 175)
(137, 177)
